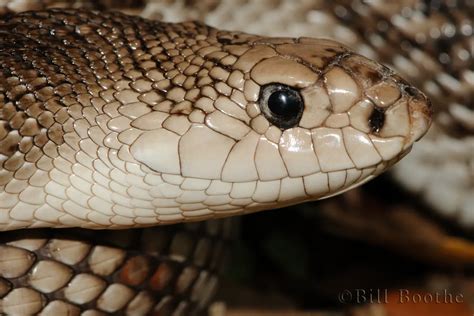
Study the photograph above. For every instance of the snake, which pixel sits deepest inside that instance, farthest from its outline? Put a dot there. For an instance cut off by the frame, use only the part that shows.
(110, 122)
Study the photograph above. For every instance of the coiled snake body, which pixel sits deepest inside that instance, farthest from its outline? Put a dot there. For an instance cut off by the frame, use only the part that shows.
(111, 121)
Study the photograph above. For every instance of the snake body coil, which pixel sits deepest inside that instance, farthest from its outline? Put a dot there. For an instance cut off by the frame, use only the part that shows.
(112, 121)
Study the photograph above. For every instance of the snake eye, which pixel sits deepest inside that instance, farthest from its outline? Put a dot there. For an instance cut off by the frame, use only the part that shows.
(282, 105)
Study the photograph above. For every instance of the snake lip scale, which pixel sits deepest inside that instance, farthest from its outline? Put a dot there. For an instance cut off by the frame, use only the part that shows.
(114, 121)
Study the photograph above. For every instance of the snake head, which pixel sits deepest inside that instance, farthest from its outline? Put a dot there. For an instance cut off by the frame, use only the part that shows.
(179, 122)
(280, 121)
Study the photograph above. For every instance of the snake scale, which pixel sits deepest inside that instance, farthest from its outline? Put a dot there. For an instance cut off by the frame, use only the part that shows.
(110, 121)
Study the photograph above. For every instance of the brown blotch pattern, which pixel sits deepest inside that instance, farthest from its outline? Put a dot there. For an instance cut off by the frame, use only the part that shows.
(134, 272)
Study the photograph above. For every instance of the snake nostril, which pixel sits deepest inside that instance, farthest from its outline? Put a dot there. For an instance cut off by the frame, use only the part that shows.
(413, 92)
(376, 119)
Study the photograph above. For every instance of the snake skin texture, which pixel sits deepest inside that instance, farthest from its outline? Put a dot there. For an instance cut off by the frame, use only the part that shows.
(160, 271)
(115, 137)
(112, 121)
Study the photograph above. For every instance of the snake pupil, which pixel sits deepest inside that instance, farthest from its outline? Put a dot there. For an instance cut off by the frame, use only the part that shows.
(282, 105)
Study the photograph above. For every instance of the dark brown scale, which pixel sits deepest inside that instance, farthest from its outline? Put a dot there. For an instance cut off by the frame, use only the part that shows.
(68, 126)
(25, 172)
(41, 139)
(17, 120)
(46, 119)
(361, 70)
(33, 155)
(26, 103)
(5, 177)
(8, 111)
(63, 89)
(26, 144)
(14, 162)
(3, 129)
(54, 105)
(61, 116)
(35, 110)
(9, 144)
(16, 92)
(224, 41)
(44, 94)
(55, 133)
(29, 128)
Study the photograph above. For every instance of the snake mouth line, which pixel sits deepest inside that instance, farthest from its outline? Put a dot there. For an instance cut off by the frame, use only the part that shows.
(276, 205)
(388, 164)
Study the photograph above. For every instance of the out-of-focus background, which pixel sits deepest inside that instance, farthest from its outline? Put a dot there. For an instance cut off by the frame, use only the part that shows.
(404, 243)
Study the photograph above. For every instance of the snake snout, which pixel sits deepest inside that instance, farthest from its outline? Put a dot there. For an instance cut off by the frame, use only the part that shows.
(399, 110)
